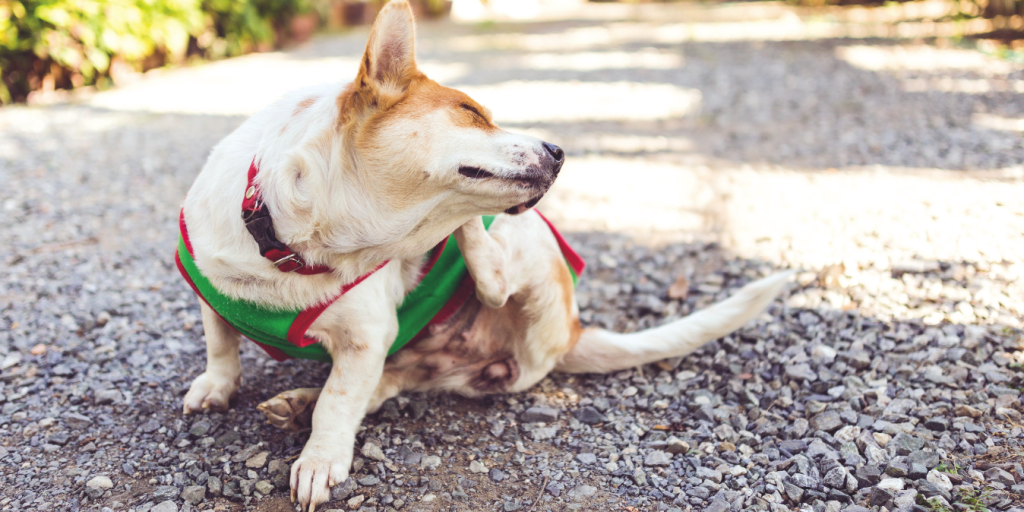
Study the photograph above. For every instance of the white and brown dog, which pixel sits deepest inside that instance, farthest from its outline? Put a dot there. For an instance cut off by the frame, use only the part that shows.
(363, 181)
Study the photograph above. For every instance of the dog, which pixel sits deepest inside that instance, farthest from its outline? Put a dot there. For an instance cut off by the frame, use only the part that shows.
(347, 195)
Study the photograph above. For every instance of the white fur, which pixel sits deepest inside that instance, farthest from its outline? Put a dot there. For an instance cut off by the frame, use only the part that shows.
(358, 174)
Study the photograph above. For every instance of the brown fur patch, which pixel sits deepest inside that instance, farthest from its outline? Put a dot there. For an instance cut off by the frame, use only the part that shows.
(564, 280)
(303, 105)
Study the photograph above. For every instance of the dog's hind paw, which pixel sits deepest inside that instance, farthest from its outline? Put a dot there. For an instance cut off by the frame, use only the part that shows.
(291, 411)
(210, 392)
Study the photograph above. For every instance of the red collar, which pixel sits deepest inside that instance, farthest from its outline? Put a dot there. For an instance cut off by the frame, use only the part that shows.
(260, 225)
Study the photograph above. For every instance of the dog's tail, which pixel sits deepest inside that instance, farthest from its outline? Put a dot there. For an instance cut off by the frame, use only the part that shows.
(600, 351)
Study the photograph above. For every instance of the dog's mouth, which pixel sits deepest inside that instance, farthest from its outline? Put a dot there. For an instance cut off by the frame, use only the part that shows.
(524, 182)
(475, 173)
(522, 207)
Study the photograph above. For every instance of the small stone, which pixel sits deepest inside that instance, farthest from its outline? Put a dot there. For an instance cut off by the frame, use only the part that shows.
(897, 467)
(194, 494)
(76, 421)
(880, 497)
(343, 490)
(582, 491)
(940, 479)
(905, 444)
(369, 480)
(805, 481)
(795, 493)
(891, 484)
(477, 467)
(709, 474)
(827, 421)
(165, 492)
(245, 453)
(257, 461)
(657, 458)
(858, 359)
(937, 424)
(640, 477)
(801, 371)
(58, 438)
(264, 487)
(200, 428)
(868, 475)
(966, 410)
(108, 396)
(356, 501)
(165, 506)
(1000, 476)
(926, 458)
(847, 434)
(835, 478)
(278, 466)
(543, 434)
(429, 462)
(98, 485)
(373, 451)
(881, 438)
(539, 414)
(590, 416)
(586, 458)
(496, 475)
(676, 446)
(213, 484)
(225, 439)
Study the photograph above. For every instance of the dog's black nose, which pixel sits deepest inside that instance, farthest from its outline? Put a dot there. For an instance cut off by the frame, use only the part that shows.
(555, 152)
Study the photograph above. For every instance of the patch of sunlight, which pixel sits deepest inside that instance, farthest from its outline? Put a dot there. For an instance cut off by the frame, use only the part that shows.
(613, 142)
(646, 58)
(994, 122)
(959, 85)
(243, 85)
(550, 101)
(634, 196)
(922, 58)
(9, 150)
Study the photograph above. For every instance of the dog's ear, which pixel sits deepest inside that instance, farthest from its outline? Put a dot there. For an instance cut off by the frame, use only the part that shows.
(389, 63)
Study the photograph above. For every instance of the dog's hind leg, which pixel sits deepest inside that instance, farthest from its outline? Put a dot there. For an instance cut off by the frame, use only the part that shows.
(486, 261)
(215, 387)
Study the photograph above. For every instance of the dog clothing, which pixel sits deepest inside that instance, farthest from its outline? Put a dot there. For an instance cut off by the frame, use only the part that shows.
(444, 287)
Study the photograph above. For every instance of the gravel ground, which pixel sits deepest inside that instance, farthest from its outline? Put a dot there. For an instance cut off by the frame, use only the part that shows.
(889, 377)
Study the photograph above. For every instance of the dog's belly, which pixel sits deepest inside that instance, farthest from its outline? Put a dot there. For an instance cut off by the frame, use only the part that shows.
(472, 353)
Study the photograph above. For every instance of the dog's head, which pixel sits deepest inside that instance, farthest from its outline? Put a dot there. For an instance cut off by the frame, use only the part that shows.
(432, 153)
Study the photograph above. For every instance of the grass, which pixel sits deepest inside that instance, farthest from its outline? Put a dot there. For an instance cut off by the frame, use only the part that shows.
(973, 499)
(948, 466)
(934, 504)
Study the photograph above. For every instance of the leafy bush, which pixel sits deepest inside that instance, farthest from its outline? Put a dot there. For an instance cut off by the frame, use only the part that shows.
(48, 44)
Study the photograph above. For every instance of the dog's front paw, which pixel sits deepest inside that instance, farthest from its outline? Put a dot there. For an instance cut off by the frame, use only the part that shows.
(211, 392)
(314, 474)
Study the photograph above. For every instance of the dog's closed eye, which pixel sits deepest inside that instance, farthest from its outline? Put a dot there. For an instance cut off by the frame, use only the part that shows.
(474, 172)
(471, 108)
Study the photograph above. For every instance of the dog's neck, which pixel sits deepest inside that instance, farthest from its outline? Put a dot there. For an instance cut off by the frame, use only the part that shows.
(325, 208)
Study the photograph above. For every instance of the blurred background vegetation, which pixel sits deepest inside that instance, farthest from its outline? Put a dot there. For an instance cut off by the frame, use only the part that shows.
(46, 45)
(60, 44)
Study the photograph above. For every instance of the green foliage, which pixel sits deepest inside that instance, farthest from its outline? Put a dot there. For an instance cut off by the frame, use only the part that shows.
(947, 466)
(64, 43)
(973, 500)
(932, 504)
